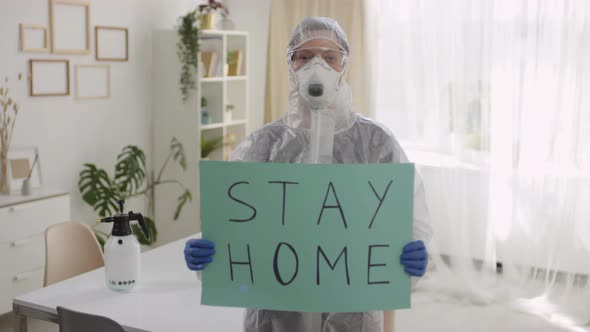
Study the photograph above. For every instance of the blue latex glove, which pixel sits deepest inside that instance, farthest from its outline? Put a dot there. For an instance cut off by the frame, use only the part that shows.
(415, 258)
(198, 253)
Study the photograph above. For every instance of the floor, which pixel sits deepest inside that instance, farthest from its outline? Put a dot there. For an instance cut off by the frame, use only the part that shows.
(427, 314)
(34, 325)
(430, 315)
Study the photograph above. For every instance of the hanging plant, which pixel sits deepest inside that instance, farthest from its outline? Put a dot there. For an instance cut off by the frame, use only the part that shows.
(188, 52)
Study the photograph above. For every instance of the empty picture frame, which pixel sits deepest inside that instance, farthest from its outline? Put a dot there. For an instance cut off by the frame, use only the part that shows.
(49, 77)
(92, 81)
(21, 161)
(111, 43)
(34, 38)
(70, 26)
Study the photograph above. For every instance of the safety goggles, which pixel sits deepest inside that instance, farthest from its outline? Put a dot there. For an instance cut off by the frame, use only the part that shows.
(334, 57)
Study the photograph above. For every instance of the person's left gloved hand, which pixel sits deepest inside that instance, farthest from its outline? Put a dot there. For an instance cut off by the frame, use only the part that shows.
(415, 258)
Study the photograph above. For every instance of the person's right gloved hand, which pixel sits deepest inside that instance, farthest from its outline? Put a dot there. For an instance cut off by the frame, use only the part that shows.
(198, 253)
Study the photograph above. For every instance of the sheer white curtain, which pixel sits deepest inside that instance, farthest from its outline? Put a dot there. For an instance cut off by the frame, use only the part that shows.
(492, 100)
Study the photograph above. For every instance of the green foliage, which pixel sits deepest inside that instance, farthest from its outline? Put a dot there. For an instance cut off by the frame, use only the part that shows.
(98, 190)
(182, 200)
(231, 58)
(188, 50)
(103, 193)
(178, 153)
(208, 146)
(130, 170)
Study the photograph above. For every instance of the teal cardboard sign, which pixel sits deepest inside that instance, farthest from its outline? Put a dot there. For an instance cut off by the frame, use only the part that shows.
(301, 237)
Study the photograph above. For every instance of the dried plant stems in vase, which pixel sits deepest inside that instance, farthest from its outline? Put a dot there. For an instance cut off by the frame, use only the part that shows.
(9, 111)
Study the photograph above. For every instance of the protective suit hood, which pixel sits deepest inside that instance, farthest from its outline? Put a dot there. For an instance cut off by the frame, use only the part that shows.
(335, 105)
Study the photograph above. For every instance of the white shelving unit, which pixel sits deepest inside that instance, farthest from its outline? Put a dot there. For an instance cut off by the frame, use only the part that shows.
(222, 90)
(171, 117)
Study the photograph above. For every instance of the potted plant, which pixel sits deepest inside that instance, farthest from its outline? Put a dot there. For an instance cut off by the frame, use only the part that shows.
(210, 145)
(207, 11)
(204, 114)
(188, 52)
(102, 191)
(228, 112)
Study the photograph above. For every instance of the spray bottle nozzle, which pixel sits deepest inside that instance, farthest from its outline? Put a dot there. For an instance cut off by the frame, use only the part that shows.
(121, 203)
(122, 220)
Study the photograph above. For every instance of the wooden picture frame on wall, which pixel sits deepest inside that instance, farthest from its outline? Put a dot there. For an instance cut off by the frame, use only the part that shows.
(25, 44)
(70, 26)
(21, 161)
(47, 78)
(111, 43)
(92, 81)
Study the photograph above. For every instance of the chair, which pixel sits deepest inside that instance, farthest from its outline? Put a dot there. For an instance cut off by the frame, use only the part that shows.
(70, 249)
(388, 320)
(73, 321)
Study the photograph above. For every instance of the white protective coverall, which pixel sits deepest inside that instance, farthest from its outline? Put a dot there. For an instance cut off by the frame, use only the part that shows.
(324, 131)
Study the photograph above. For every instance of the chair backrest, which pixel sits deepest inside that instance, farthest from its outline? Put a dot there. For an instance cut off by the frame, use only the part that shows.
(70, 249)
(388, 321)
(74, 321)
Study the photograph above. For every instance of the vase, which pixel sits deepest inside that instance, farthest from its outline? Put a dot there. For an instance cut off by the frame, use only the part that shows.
(204, 117)
(206, 21)
(26, 188)
(3, 174)
(225, 24)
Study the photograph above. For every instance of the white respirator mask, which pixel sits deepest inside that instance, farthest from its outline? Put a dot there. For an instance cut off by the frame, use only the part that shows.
(318, 83)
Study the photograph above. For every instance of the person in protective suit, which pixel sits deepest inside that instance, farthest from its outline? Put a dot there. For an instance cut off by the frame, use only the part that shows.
(320, 126)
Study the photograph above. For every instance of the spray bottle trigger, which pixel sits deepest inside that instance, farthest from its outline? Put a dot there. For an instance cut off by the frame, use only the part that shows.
(141, 221)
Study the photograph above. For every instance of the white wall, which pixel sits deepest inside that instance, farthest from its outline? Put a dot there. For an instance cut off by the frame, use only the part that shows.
(173, 118)
(70, 132)
(253, 16)
(248, 15)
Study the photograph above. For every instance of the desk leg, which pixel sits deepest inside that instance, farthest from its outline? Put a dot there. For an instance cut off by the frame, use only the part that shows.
(20, 320)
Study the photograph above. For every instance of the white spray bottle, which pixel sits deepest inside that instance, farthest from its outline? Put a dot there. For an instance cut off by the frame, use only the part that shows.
(122, 251)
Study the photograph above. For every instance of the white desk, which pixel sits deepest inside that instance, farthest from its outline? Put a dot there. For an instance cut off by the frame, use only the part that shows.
(168, 298)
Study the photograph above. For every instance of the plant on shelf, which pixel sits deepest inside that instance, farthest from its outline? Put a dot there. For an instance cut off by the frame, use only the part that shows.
(232, 58)
(207, 10)
(210, 145)
(102, 192)
(188, 51)
(204, 113)
(229, 111)
(8, 112)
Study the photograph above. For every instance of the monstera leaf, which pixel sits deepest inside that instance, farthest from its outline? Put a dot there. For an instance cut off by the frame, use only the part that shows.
(177, 151)
(152, 230)
(103, 193)
(130, 169)
(182, 200)
(98, 190)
